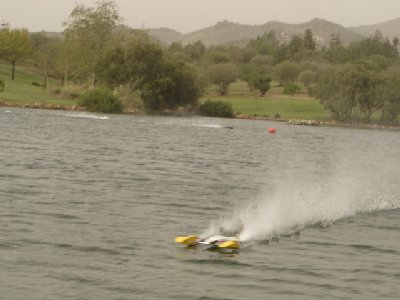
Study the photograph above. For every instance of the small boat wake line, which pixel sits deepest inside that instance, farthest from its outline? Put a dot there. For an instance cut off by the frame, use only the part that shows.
(192, 125)
(86, 116)
(208, 125)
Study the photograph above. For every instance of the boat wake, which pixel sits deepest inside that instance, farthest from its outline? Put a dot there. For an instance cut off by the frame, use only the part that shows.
(292, 206)
(207, 125)
(86, 116)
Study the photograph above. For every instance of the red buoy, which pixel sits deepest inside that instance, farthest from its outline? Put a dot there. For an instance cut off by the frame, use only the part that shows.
(272, 130)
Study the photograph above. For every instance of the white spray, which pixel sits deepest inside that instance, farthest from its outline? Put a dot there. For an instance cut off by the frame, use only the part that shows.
(294, 204)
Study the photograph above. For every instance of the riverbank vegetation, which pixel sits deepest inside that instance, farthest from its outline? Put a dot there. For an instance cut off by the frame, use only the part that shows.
(295, 78)
(101, 100)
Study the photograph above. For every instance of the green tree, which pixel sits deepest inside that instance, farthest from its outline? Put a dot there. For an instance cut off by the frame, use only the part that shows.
(308, 77)
(336, 52)
(350, 89)
(15, 46)
(175, 47)
(87, 32)
(239, 55)
(300, 48)
(266, 44)
(369, 81)
(223, 75)
(266, 60)
(291, 89)
(309, 42)
(112, 68)
(65, 65)
(144, 60)
(176, 50)
(163, 82)
(174, 87)
(195, 51)
(258, 80)
(101, 100)
(217, 56)
(287, 71)
(373, 45)
(46, 51)
(389, 92)
(216, 109)
(295, 48)
(335, 92)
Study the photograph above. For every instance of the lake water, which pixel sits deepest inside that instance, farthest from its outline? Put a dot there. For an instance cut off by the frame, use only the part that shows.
(90, 206)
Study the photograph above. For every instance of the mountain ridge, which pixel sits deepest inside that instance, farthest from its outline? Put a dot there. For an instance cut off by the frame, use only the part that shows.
(389, 28)
(226, 32)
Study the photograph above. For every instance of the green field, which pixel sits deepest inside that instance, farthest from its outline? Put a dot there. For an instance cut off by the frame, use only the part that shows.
(21, 91)
(274, 103)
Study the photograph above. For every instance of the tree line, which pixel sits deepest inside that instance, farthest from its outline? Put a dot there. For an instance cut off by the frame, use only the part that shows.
(356, 82)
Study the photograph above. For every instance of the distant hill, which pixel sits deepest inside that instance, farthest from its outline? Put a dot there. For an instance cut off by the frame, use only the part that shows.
(389, 28)
(222, 33)
(166, 35)
(226, 32)
(233, 33)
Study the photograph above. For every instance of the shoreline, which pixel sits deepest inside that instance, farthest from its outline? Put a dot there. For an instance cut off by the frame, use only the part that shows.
(299, 122)
(330, 123)
(50, 106)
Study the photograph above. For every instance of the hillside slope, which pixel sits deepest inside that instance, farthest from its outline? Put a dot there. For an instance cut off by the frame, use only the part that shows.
(389, 28)
(233, 33)
(22, 91)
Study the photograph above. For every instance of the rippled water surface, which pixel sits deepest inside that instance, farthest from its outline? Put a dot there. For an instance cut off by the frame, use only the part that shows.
(90, 206)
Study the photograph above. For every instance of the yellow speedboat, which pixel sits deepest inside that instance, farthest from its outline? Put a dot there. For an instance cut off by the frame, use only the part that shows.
(214, 242)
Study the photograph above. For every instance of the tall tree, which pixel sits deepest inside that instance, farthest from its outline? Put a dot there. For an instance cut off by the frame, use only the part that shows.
(337, 52)
(144, 59)
(374, 45)
(295, 48)
(223, 75)
(162, 82)
(291, 89)
(65, 64)
(46, 51)
(15, 46)
(112, 68)
(266, 44)
(175, 86)
(258, 77)
(309, 42)
(195, 51)
(287, 71)
(390, 96)
(337, 90)
(87, 31)
(350, 91)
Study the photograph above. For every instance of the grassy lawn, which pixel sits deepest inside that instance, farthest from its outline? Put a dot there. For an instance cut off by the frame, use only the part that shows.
(21, 90)
(274, 102)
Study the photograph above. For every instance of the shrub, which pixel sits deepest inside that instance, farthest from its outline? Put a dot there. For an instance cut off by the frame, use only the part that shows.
(56, 91)
(216, 109)
(70, 92)
(2, 85)
(101, 100)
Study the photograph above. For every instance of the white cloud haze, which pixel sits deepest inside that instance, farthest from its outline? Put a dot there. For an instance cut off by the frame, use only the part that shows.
(190, 15)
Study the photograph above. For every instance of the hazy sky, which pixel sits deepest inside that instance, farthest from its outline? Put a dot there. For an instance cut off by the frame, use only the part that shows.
(189, 15)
